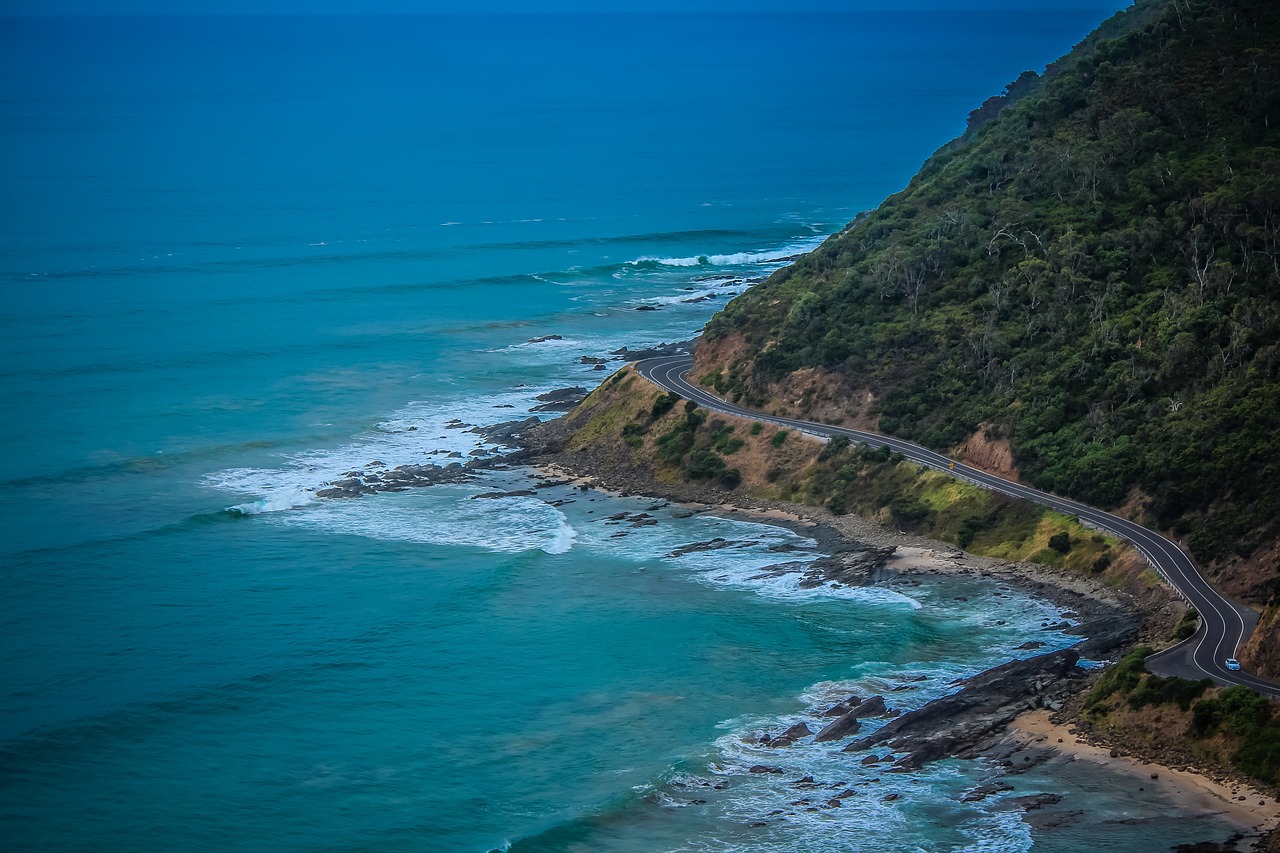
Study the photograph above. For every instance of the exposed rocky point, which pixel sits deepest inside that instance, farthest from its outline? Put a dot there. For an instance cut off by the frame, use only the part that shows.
(963, 723)
(851, 567)
(561, 399)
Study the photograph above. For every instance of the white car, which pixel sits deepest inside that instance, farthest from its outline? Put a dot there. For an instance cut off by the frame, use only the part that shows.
(1231, 664)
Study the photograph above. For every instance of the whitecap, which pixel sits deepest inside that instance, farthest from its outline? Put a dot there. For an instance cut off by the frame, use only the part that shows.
(445, 517)
(777, 255)
(419, 433)
(286, 498)
(563, 538)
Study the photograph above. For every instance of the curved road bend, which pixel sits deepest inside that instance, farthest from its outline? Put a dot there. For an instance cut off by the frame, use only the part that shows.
(1224, 625)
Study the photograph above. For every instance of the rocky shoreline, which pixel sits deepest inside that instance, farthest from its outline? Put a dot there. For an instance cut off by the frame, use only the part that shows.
(980, 720)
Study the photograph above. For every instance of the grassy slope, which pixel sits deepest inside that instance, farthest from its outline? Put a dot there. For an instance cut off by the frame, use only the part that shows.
(628, 425)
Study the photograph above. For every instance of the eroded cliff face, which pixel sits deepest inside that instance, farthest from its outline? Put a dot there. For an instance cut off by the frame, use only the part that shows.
(989, 450)
(825, 396)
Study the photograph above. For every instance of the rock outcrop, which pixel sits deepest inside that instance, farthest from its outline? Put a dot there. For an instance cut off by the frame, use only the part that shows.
(963, 723)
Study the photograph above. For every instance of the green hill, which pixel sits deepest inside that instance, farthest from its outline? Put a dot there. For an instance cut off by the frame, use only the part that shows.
(1088, 279)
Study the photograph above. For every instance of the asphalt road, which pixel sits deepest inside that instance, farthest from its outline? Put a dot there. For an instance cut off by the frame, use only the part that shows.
(1224, 625)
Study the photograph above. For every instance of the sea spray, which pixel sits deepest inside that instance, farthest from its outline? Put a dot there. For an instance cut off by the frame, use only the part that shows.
(563, 538)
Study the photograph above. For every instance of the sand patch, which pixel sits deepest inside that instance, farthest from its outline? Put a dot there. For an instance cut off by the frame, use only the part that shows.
(1253, 810)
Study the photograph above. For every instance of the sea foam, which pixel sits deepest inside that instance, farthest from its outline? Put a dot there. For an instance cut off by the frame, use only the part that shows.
(767, 256)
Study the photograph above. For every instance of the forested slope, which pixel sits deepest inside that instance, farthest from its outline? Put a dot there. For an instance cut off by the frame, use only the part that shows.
(1091, 273)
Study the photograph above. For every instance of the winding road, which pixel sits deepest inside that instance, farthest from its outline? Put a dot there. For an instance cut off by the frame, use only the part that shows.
(1224, 625)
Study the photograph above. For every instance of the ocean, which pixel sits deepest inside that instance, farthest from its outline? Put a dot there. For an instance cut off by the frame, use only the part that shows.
(246, 255)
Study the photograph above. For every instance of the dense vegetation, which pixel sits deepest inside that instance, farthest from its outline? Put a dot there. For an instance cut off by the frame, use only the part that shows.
(1092, 271)
(1234, 725)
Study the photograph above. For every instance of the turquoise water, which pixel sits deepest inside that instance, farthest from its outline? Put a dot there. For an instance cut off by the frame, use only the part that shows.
(244, 256)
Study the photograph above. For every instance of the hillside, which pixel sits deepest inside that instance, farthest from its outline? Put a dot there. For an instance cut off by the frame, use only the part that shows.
(1083, 292)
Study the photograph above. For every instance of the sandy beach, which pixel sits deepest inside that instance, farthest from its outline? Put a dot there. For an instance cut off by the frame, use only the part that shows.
(1253, 810)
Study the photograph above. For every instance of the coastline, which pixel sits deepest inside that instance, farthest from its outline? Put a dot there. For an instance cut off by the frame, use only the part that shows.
(912, 555)
(1108, 621)
(1247, 805)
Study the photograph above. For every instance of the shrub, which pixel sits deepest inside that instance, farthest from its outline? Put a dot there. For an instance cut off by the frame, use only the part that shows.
(1060, 542)
(757, 428)
(1154, 690)
(1122, 677)
(778, 437)
(1187, 625)
(663, 404)
(704, 465)
(729, 446)
(969, 528)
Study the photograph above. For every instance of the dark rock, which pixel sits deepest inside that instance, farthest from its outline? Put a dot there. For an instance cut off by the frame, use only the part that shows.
(983, 791)
(518, 493)
(544, 339)
(575, 392)
(961, 723)
(561, 400)
(848, 723)
(1035, 801)
(646, 307)
(679, 348)
(791, 735)
(764, 768)
(873, 707)
(869, 760)
(854, 567)
(842, 727)
(1029, 759)
(395, 480)
(710, 545)
(586, 359)
(1030, 644)
(507, 431)
(842, 708)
